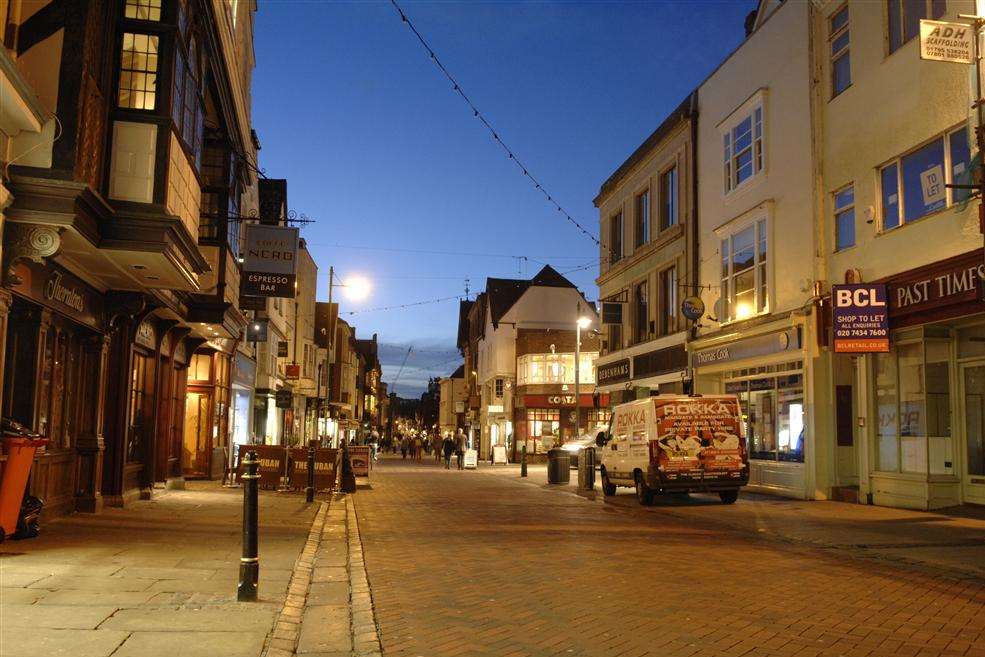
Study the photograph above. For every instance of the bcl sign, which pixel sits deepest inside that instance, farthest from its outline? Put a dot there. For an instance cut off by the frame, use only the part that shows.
(861, 318)
(947, 42)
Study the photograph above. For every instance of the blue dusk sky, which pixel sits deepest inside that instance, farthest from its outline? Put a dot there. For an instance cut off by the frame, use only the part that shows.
(406, 186)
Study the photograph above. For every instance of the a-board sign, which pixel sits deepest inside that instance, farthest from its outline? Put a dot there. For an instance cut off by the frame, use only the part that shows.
(471, 459)
(326, 468)
(359, 455)
(499, 454)
(861, 318)
(947, 42)
(272, 459)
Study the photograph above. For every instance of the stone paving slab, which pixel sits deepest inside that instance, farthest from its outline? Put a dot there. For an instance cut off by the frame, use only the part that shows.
(258, 618)
(42, 642)
(325, 628)
(68, 617)
(204, 644)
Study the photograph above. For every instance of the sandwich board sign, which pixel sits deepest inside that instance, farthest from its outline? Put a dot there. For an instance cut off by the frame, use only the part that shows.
(947, 42)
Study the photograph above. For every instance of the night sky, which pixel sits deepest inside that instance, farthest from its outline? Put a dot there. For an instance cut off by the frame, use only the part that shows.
(405, 185)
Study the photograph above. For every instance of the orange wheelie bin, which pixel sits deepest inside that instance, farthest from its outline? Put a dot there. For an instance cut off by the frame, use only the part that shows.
(19, 450)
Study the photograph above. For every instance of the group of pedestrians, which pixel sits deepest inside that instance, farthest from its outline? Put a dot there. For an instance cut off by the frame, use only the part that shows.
(415, 445)
(454, 444)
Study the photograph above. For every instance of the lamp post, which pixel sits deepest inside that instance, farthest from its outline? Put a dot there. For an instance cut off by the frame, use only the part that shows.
(581, 323)
(358, 288)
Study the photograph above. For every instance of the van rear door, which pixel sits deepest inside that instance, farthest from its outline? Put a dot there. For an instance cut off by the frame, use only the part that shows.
(698, 439)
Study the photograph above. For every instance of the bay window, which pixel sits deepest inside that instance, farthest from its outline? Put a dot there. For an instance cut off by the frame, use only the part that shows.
(138, 71)
(744, 275)
(914, 185)
(187, 104)
(535, 369)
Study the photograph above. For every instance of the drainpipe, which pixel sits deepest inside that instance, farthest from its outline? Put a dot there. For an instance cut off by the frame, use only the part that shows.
(695, 233)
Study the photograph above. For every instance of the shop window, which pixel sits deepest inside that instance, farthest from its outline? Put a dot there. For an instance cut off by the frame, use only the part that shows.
(743, 148)
(744, 275)
(641, 312)
(201, 367)
(844, 203)
(143, 10)
(773, 416)
(668, 198)
(543, 428)
(138, 71)
(841, 67)
(138, 416)
(904, 18)
(615, 238)
(668, 301)
(642, 218)
(914, 185)
(914, 409)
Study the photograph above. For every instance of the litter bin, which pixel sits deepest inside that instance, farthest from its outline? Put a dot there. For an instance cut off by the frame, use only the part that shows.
(20, 456)
(558, 466)
(586, 469)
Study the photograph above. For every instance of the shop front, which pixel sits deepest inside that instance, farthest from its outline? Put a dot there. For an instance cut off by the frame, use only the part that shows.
(55, 364)
(769, 371)
(653, 368)
(241, 407)
(205, 450)
(923, 403)
(543, 420)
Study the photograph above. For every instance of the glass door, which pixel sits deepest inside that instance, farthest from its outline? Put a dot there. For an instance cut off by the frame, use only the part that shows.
(973, 384)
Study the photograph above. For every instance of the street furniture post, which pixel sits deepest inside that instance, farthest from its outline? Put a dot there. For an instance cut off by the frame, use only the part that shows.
(249, 563)
(523, 460)
(309, 492)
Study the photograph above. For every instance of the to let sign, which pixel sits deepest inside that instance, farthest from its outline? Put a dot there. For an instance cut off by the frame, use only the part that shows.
(270, 261)
(947, 42)
(861, 318)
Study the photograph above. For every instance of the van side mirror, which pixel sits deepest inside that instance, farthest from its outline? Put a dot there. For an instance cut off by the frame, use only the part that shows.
(600, 439)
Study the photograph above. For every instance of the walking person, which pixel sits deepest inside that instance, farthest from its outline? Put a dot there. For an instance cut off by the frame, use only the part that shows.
(418, 448)
(460, 449)
(447, 447)
(403, 447)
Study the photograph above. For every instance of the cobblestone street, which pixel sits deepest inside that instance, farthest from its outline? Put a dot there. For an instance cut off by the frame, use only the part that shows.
(478, 563)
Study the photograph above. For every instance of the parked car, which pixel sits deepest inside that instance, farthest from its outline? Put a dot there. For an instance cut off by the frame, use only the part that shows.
(675, 443)
(577, 446)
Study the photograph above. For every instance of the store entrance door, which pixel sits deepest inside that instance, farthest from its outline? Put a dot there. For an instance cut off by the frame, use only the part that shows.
(973, 397)
(196, 448)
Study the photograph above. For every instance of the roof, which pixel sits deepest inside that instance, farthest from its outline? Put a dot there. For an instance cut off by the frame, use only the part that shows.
(459, 373)
(505, 292)
(687, 109)
(463, 322)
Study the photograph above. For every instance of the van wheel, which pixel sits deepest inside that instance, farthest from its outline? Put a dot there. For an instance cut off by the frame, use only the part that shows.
(643, 493)
(728, 496)
(608, 488)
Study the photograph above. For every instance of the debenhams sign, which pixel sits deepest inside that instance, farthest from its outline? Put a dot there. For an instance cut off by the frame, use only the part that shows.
(270, 261)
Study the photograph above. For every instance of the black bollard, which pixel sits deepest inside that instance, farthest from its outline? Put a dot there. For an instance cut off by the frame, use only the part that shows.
(309, 492)
(249, 563)
(523, 460)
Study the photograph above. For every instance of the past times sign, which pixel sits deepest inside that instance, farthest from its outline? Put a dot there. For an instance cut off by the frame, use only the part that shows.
(270, 261)
(861, 318)
(947, 42)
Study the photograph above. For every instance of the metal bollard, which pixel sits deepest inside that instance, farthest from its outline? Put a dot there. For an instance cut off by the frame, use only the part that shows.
(249, 563)
(523, 460)
(309, 492)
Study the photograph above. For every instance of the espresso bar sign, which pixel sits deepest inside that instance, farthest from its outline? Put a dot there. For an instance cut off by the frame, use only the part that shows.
(270, 261)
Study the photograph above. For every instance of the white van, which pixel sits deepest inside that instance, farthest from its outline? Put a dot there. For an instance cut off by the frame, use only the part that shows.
(675, 443)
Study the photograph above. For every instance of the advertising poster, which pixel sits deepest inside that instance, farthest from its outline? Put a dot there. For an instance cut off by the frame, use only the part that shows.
(359, 455)
(699, 433)
(272, 459)
(270, 261)
(861, 318)
(326, 468)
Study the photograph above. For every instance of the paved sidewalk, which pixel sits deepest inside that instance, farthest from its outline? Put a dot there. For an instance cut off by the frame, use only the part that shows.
(155, 579)
(951, 540)
(480, 564)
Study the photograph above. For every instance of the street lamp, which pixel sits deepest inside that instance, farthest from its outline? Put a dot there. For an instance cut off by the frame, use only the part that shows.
(356, 289)
(581, 323)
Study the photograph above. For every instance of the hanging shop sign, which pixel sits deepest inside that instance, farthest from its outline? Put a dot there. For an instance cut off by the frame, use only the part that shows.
(270, 261)
(611, 312)
(59, 290)
(947, 42)
(693, 308)
(249, 302)
(754, 347)
(861, 318)
(282, 349)
(284, 398)
(615, 372)
(146, 335)
(293, 371)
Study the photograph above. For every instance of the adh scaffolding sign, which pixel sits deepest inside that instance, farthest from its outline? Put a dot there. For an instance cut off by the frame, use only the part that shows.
(270, 261)
(947, 42)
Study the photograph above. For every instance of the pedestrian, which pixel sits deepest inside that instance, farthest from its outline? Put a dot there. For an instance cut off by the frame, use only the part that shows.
(404, 443)
(418, 448)
(460, 449)
(374, 444)
(448, 446)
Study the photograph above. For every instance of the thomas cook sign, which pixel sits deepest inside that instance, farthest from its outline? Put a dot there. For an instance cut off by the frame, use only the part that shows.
(270, 261)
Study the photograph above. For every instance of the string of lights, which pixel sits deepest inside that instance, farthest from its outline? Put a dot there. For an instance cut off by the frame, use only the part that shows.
(465, 254)
(403, 305)
(492, 131)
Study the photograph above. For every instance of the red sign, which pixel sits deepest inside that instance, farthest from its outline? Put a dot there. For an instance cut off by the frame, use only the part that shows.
(272, 460)
(293, 371)
(557, 401)
(326, 468)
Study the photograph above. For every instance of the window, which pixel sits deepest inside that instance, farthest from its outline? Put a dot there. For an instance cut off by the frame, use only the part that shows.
(668, 301)
(643, 218)
(744, 149)
(668, 198)
(143, 10)
(913, 401)
(543, 427)
(773, 416)
(841, 67)
(533, 369)
(186, 96)
(914, 185)
(744, 276)
(641, 314)
(844, 201)
(904, 18)
(615, 237)
(138, 71)
(615, 337)
(499, 388)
